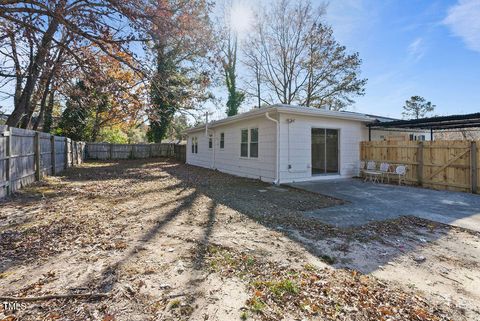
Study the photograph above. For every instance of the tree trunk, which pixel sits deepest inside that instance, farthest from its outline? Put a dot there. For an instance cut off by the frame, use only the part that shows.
(36, 67)
(43, 104)
(47, 124)
(47, 87)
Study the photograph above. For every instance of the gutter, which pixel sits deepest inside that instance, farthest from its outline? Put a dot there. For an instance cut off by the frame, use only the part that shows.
(287, 109)
(277, 170)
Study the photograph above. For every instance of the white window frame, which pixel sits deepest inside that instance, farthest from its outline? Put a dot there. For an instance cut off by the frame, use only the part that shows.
(210, 142)
(194, 149)
(222, 135)
(249, 141)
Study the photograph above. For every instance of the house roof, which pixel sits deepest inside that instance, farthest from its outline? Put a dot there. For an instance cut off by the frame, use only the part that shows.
(290, 109)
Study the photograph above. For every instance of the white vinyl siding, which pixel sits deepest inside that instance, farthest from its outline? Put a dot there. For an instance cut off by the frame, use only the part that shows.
(295, 160)
(228, 159)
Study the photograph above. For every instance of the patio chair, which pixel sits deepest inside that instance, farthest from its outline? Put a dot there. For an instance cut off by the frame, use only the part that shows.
(401, 172)
(361, 167)
(371, 173)
(385, 170)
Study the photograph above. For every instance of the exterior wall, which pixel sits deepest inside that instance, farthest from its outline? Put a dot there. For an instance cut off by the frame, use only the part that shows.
(295, 147)
(298, 153)
(228, 160)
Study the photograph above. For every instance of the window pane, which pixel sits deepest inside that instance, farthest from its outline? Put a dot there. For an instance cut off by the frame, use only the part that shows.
(210, 142)
(244, 149)
(254, 135)
(222, 140)
(318, 151)
(253, 149)
(332, 150)
(193, 145)
(244, 135)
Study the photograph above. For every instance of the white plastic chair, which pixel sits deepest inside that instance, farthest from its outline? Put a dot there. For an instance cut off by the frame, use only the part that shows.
(385, 169)
(401, 172)
(371, 172)
(371, 166)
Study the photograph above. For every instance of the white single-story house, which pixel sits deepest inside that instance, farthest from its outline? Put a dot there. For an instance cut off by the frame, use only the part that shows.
(283, 143)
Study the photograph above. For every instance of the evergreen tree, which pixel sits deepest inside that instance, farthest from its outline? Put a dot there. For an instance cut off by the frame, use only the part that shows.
(417, 107)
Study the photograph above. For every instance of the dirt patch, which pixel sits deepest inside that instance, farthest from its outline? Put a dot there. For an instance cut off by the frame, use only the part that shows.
(143, 232)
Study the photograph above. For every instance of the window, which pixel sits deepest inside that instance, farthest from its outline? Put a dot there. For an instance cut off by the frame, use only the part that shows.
(222, 140)
(210, 141)
(254, 142)
(194, 145)
(244, 143)
(249, 143)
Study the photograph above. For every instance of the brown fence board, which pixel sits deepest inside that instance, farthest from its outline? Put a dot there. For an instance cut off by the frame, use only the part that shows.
(435, 164)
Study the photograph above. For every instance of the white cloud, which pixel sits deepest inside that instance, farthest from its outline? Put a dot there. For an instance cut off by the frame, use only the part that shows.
(464, 21)
(416, 49)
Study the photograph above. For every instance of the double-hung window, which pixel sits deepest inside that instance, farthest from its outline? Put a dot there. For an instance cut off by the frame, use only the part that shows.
(194, 145)
(249, 143)
(222, 140)
(244, 143)
(210, 142)
(254, 142)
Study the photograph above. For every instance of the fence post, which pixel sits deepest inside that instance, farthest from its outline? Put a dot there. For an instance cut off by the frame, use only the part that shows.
(71, 150)
(38, 156)
(473, 166)
(420, 163)
(8, 165)
(53, 160)
(65, 154)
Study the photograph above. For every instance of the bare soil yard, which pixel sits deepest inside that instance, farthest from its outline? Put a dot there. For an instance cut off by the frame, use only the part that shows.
(167, 241)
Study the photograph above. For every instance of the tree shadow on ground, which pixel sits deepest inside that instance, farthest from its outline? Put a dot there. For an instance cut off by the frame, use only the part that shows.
(282, 209)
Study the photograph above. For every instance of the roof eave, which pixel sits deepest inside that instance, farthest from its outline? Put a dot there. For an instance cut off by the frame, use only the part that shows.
(283, 109)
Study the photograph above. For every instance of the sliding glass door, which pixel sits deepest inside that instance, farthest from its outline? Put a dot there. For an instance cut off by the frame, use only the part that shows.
(324, 151)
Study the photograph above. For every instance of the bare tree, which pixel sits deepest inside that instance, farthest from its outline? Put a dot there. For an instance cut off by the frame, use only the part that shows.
(43, 23)
(332, 73)
(297, 60)
(227, 54)
(252, 52)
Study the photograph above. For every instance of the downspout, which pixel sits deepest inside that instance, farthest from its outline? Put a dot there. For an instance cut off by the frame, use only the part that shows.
(277, 174)
(213, 148)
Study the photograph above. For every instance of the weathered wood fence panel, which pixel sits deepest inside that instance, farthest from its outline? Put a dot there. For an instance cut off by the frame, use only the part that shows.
(27, 155)
(106, 151)
(450, 165)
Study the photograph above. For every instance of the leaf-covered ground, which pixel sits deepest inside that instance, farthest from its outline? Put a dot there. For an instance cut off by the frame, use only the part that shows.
(167, 241)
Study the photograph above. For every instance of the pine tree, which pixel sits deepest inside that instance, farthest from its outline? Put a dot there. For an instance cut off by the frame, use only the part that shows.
(417, 107)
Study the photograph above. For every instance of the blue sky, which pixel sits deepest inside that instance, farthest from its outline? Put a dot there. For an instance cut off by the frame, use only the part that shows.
(413, 47)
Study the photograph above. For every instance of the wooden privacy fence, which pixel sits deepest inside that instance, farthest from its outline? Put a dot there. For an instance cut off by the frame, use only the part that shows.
(27, 155)
(450, 165)
(133, 151)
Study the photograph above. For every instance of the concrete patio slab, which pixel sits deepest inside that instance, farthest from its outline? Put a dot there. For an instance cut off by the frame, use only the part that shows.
(368, 202)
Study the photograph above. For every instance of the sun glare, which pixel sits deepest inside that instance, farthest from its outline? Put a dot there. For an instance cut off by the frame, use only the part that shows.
(241, 18)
